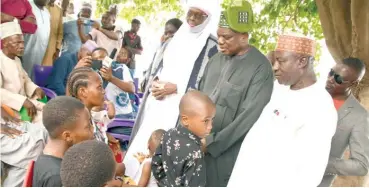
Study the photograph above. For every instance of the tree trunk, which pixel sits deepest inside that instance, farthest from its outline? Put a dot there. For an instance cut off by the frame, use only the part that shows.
(345, 26)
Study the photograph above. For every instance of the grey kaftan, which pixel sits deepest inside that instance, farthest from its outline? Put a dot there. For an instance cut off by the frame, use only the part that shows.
(240, 86)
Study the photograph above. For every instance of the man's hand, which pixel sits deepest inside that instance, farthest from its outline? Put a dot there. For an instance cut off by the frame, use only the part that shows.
(162, 89)
(106, 73)
(31, 108)
(11, 132)
(203, 145)
(6, 18)
(84, 62)
(39, 93)
(56, 54)
(79, 22)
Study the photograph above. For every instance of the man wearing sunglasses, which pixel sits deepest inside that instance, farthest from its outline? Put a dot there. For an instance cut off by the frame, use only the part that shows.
(353, 123)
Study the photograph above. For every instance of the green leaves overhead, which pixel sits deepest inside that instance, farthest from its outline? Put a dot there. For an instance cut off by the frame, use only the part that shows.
(145, 8)
(271, 16)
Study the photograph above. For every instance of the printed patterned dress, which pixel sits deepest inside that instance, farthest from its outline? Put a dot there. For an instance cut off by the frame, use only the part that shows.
(179, 161)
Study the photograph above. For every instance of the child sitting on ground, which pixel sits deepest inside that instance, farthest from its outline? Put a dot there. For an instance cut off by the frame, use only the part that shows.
(144, 177)
(179, 160)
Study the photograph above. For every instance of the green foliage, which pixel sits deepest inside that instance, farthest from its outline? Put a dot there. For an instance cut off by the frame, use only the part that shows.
(274, 17)
(145, 8)
(280, 16)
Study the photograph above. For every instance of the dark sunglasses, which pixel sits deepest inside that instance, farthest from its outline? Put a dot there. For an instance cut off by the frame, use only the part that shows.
(337, 78)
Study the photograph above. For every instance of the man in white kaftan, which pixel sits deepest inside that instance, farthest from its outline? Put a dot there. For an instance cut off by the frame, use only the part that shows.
(289, 145)
(17, 150)
(17, 88)
(36, 44)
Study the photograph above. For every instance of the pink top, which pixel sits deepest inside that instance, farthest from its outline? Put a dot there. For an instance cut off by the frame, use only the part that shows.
(105, 42)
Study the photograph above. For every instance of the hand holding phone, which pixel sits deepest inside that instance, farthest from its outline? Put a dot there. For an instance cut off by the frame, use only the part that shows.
(106, 73)
(96, 64)
(107, 62)
(84, 62)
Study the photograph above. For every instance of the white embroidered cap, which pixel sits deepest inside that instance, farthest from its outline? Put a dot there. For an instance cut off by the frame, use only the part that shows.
(8, 29)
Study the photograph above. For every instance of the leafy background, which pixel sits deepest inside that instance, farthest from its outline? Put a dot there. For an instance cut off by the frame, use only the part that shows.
(271, 17)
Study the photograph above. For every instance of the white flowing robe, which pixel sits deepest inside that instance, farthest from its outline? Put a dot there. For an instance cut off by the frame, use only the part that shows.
(36, 44)
(290, 143)
(16, 86)
(178, 61)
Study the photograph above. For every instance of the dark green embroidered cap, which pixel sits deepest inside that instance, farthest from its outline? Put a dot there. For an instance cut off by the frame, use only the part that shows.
(238, 16)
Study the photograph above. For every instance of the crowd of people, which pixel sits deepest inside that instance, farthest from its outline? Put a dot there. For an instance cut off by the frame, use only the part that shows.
(215, 111)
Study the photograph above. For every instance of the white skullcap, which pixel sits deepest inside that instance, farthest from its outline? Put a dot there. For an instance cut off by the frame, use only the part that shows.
(209, 7)
(9, 29)
(86, 5)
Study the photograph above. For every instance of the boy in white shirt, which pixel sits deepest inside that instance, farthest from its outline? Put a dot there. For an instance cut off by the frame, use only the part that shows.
(119, 92)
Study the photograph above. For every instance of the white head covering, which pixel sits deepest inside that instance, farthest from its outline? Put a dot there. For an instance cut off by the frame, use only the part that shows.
(10, 28)
(187, 44)
(211, 8)
(86, 5)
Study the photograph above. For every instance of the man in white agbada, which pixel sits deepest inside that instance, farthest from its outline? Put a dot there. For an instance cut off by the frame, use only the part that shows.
(36, 44)
(21, 142)
(17, 89)
(289, 145)
(184, 62)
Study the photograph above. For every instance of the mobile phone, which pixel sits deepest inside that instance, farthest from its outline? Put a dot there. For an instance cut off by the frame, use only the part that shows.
(96, 64)
(87, 21)
(107, 62)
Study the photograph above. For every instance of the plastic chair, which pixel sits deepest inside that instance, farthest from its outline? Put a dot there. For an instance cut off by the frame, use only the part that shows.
(29, 174)
(41, 74)
(140, 95)
(50, 94)
(127, 124)
(117, 122)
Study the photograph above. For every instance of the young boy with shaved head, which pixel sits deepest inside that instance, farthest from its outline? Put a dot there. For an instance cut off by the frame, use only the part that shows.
(179, 161)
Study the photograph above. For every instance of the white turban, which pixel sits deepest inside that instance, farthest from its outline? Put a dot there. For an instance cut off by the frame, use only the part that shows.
(210, 7)
(86, 5)
(10, 28)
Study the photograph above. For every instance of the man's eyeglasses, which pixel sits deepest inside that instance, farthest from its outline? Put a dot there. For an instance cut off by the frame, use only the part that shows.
(337, 78)
(197, 16)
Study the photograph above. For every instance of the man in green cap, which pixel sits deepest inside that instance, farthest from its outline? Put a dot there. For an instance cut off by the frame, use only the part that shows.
(239, 80)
